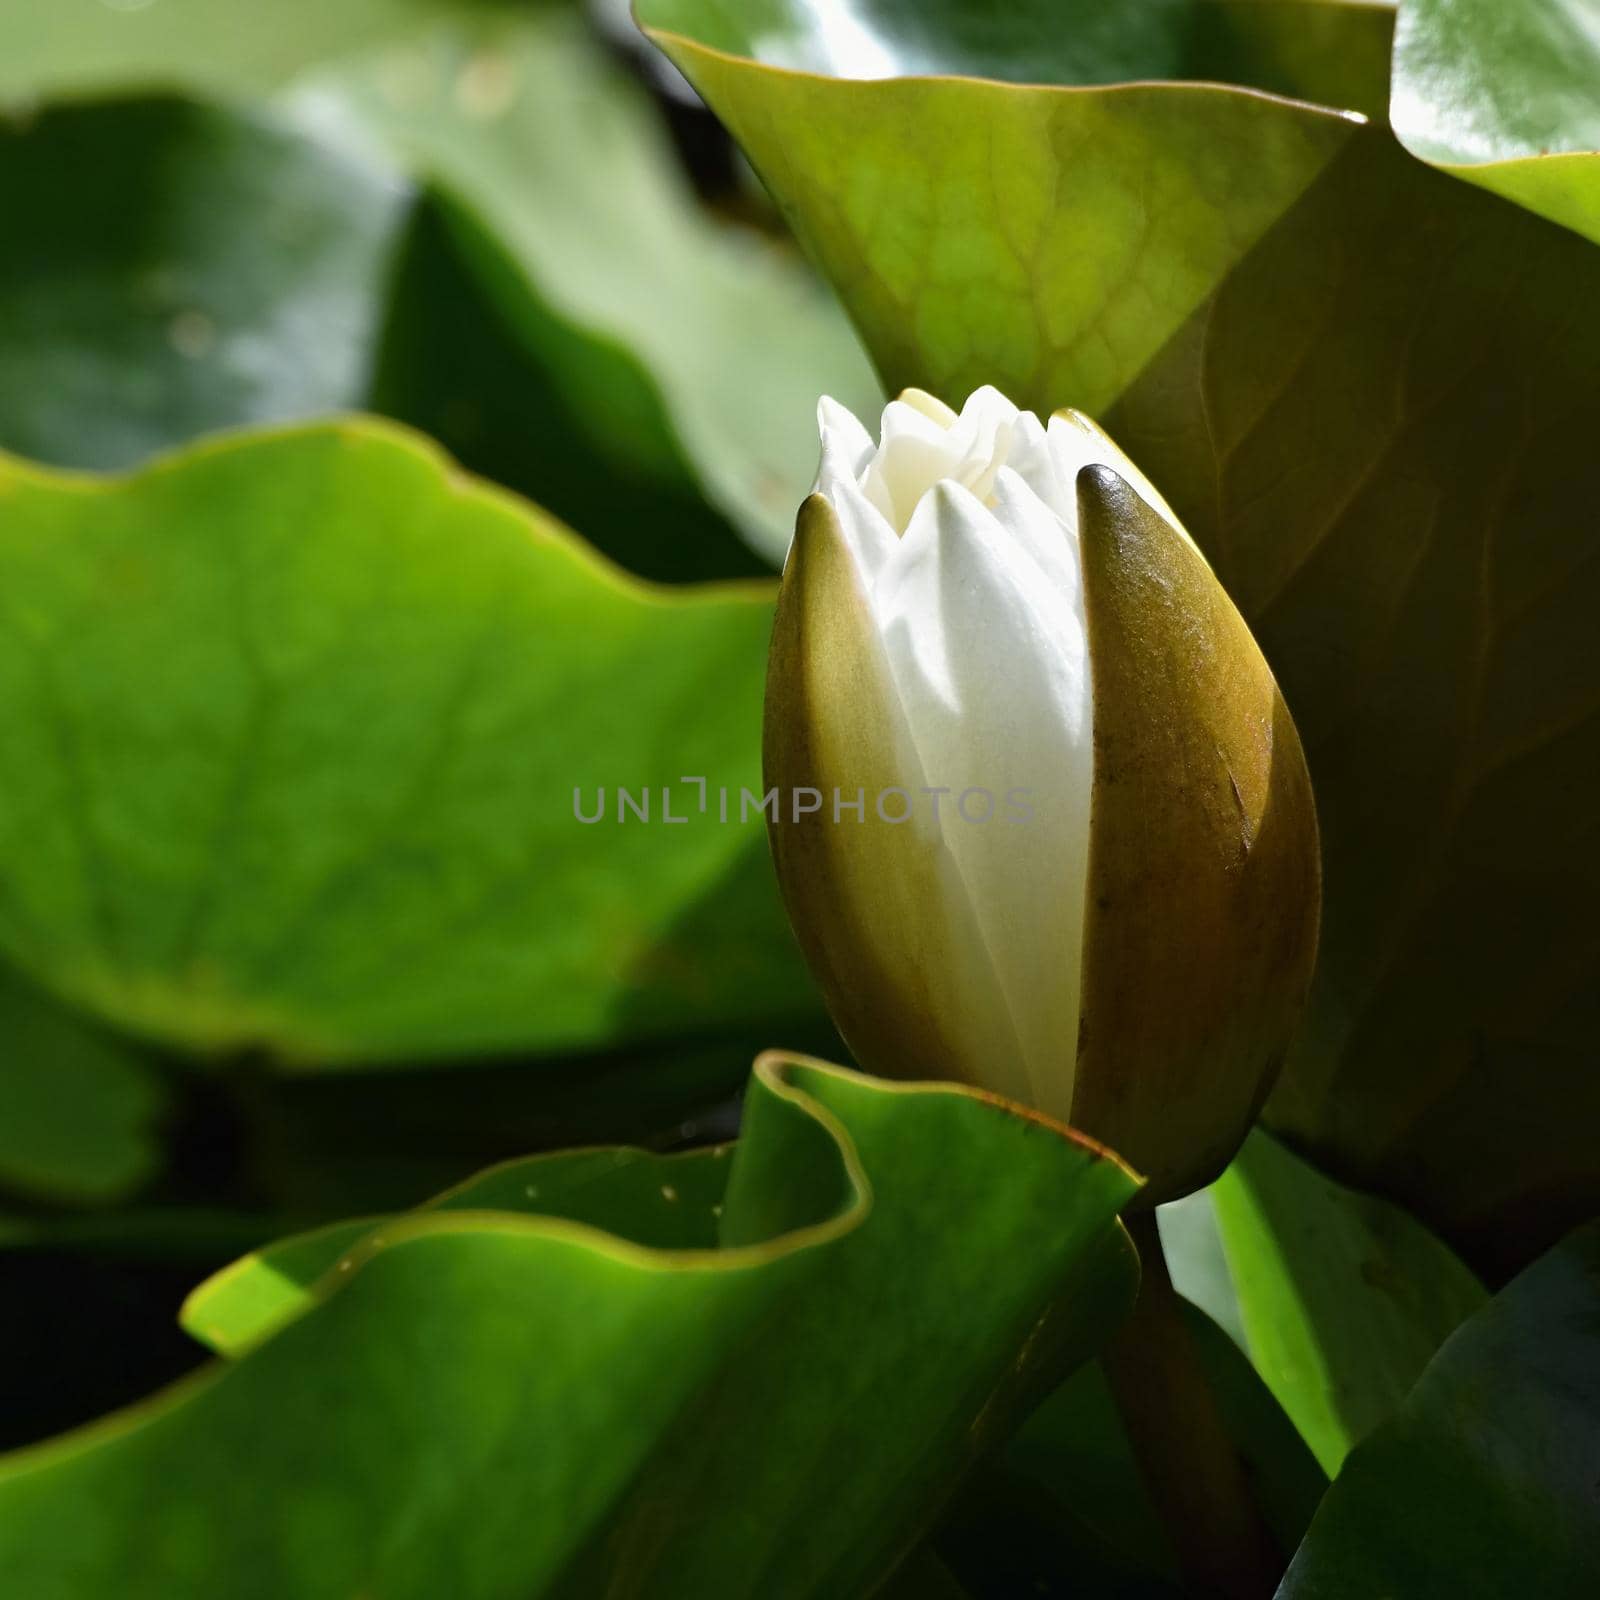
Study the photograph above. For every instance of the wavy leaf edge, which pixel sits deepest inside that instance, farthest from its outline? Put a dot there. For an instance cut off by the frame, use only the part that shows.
(781, 1072)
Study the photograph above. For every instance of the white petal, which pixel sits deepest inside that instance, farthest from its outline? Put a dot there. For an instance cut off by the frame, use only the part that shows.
(847, 447)
(870, 538)
(1037, 464)
(1049, 541)
(915, 453)
(993, 676)
(924, 443)
(931, 406)
(986, 412)
(981, 440)
(1078, 442)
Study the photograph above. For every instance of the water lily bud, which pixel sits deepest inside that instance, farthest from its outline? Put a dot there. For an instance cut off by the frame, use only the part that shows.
(1044, 823)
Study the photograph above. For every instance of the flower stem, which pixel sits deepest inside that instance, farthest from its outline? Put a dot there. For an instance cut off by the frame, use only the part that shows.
(1191, 1468)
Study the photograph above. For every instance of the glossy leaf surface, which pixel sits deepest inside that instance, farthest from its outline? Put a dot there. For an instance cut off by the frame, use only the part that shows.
(1504, 95)
(1327, 50)
(172, 269)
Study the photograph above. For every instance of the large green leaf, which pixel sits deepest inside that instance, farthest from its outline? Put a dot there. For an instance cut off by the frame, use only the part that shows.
(1503, 94)
(667, 1202)
(1335, 51)
(462, 359)
(632, 1394)
(169, 269)
(172, 269)
(235, 45)
(290, 732)
(650, 353)
(1484, 1485)
(674, 336)
(77, 1110)
(1339, 1299)
(1369, 390)
(1049, 242)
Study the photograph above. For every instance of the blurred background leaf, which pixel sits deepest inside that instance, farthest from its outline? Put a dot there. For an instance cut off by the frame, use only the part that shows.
(685, 345)
(235, 46)
(455, 361)
(185, 269)
(171, 269)
(557, 306)
(1369, 391)
(1504, 96)
(873, 1317)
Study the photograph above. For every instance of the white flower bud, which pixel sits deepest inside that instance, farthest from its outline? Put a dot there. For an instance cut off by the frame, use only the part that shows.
(1104, 902)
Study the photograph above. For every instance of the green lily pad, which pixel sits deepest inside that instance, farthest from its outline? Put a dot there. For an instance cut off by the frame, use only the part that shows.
(495, 1403)
(293, 731)
(1484, 1485)
(1369, 392)
(232, 45)
(697, 346)
(620, 1190)
(1334, 51)
(461, 359)
(1338, 1298)
(1504, 96)
(245, 275)
(174, 269)
(78, 1112)
(171, 269)
(952, 246)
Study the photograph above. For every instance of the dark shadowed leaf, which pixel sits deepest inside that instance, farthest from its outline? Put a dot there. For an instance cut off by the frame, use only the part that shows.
(78, 1111)
(1062, 1510)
